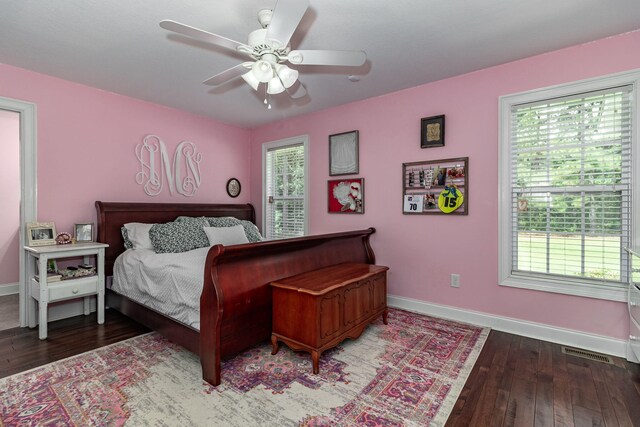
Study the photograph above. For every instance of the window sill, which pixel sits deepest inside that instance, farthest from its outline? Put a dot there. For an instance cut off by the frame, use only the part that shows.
(611, 293)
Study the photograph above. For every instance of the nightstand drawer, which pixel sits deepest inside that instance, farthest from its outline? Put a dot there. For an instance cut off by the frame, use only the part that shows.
(634, 303)
(72, 288)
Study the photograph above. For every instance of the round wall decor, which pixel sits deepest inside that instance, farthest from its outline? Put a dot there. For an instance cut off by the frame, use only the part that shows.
(233, 187)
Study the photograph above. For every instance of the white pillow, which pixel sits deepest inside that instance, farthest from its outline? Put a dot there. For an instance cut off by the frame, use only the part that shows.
(226, 235)
(138, 234)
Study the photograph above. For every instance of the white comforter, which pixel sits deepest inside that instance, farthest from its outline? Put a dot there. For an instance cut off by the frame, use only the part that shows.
(168, 283)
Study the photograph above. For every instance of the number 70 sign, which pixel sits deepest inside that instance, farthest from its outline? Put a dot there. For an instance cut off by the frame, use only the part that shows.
(413, 203)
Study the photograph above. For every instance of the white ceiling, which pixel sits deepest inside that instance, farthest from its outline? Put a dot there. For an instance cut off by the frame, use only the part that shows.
(117, 45)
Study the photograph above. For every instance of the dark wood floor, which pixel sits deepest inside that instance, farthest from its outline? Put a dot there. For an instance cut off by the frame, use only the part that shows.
(519, 381)
(9, 313)
(516, 381)
(20, 348)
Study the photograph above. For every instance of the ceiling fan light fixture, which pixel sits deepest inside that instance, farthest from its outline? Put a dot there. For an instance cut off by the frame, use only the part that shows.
(263, 71)
(251, 80)
(275, 86)
(287, 75)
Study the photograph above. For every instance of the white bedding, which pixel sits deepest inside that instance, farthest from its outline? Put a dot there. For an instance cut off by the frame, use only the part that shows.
(170, 283)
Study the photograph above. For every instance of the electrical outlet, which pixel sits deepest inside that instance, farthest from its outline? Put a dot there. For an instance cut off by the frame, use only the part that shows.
(455, 280)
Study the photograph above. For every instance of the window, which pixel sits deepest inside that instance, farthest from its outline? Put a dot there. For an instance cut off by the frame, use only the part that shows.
(285, 188)
(566, 187)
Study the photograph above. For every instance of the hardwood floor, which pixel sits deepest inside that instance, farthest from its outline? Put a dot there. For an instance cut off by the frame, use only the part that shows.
(9, 314)
(517, 381)
(20, 348)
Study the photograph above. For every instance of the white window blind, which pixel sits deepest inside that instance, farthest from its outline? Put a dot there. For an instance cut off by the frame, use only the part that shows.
(285, 187)
(571, 186)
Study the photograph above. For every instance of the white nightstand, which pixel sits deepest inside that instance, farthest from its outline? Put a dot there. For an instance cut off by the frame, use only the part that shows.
(44, 293)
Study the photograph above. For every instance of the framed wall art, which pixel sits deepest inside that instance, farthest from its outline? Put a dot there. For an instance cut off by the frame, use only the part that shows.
(233, 187)
(436, 187)
(432, 132)
(346, 196)
(343, 153)
(41, 233)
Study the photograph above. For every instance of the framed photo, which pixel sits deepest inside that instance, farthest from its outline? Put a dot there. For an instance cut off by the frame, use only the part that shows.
(41, 233)
(346, 196)
(343, 153)
(432, 132)
(84, 232)
(233, 187)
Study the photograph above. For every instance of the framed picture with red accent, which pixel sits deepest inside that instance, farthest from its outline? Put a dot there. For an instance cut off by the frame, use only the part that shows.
(346, 195)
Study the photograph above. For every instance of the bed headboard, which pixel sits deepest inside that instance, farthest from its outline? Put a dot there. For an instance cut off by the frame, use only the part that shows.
(113, 215)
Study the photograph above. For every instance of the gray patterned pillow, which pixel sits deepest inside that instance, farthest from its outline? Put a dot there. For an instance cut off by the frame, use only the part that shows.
(181, 235)
(250, 229)
(125, 236)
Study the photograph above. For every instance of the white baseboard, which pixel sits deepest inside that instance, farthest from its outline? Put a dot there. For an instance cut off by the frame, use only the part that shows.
(573, 338)
(9, 289)
(631, 356)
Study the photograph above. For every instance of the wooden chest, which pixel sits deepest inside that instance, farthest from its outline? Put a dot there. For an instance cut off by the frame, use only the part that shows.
(315, 311)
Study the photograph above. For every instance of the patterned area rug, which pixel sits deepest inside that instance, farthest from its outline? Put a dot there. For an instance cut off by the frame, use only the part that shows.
(407, 373)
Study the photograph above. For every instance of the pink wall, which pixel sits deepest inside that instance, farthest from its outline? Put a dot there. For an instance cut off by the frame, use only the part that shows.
(10, 196)
(422, 251)
(86, 142)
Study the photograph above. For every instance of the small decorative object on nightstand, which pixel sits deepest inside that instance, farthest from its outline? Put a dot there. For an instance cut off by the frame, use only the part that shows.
(44, 290)
(63, 238)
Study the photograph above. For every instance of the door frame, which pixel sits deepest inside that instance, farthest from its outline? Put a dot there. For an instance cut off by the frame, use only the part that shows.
(28, 184)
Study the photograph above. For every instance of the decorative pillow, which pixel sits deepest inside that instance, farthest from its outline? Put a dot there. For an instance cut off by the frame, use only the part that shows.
(226, 235)
(179, 236)
(125, 236)
(250, 228)
(138, 235)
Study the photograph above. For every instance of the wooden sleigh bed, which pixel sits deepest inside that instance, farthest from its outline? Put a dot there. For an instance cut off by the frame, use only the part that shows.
(235, 305)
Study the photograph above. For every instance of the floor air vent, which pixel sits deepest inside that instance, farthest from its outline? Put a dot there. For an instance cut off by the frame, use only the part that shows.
(586, 354)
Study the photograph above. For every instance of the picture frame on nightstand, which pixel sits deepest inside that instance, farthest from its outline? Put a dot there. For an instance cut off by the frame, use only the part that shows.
(41, 233)
(83, 232)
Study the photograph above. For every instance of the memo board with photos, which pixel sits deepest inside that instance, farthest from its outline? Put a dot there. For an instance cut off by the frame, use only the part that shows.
(436, 187)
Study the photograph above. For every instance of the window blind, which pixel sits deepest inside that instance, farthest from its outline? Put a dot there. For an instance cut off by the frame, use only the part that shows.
(285, 192)
(570, 186)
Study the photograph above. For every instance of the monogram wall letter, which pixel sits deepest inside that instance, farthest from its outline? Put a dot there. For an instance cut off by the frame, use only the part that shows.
(183, 175)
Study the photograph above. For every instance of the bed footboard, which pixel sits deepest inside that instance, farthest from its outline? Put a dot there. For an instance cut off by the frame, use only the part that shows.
(235, 305)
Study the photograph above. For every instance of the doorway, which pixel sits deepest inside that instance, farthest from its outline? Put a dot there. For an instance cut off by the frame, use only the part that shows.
(9, 219)
(28, 186)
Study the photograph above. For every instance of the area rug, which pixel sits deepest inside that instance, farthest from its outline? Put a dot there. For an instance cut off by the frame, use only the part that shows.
(407, 373)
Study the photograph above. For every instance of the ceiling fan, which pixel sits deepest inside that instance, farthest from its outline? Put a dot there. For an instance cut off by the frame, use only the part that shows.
(269, 49)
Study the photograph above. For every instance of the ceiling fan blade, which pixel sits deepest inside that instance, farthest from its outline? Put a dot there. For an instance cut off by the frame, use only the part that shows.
(286, 16)
(227, 75)
(349, 58)
(202, 35)
(297, 91)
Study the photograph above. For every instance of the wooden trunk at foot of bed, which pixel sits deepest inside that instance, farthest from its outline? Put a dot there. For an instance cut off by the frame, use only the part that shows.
(235, 306)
